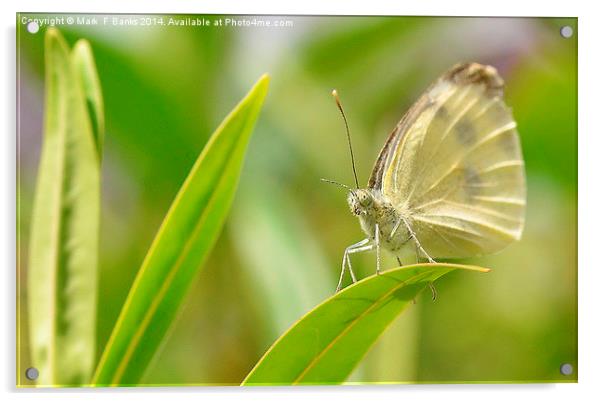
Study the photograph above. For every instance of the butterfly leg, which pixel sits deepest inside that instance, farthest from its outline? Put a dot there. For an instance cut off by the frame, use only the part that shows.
(358, 247)
(350, 269)
(431, 285)
(356, 250)
(413, 235)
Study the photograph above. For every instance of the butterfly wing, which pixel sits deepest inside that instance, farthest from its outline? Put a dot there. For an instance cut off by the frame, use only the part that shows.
(454, 166)
(387, 152)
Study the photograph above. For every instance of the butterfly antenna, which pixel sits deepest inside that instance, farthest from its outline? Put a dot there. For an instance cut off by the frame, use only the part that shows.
(335, 183)
(336, 98)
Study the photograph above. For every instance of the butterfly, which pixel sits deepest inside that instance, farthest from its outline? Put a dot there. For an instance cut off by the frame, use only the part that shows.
(450, 179)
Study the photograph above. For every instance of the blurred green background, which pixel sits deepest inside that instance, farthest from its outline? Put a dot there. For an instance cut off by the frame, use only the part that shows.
(167, 87)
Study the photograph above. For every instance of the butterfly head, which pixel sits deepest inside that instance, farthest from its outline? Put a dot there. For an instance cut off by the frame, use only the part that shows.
(360, 201)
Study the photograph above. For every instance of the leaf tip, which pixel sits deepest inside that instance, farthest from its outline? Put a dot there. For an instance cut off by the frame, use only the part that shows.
(479, 269)
(52, 32)
(265, 77)
(53, 38)
(83, 48)
(259, 90)
(262, 84)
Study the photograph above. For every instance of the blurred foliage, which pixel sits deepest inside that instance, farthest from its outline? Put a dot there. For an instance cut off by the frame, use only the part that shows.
(165, 90)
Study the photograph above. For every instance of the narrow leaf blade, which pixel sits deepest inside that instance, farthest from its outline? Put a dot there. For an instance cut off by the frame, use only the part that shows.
(183, 242)
(325, 345)
(62, 272)
(85, 68)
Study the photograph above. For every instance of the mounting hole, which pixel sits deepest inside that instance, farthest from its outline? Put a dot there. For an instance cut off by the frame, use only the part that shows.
(566, 31)
(33, 27)
(31, 373)
(566, 369)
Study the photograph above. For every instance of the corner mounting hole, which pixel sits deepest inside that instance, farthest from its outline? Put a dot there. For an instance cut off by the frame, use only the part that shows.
(33, 27)
(32, 373)
(566, 31)
(566, 369)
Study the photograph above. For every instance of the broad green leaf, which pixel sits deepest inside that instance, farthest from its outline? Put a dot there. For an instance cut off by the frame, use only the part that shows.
(395, 355)
(183, 242)
(324, 346)
(62, 272)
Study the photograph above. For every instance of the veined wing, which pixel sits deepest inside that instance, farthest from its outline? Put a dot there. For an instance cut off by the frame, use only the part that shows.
(393, 141)
(455, 166)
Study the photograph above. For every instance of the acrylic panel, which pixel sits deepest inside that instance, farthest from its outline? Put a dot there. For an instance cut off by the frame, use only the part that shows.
(189, 187)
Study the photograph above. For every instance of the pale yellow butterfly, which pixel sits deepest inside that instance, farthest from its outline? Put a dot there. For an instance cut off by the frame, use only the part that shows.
(450, 180)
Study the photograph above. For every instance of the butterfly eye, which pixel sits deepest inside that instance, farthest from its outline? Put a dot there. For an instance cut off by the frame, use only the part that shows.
(366, 200)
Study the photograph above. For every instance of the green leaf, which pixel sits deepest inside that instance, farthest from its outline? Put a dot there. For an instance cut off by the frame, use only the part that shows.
(62, 272)
(325, 345)
(183, 242)
(86, 70)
